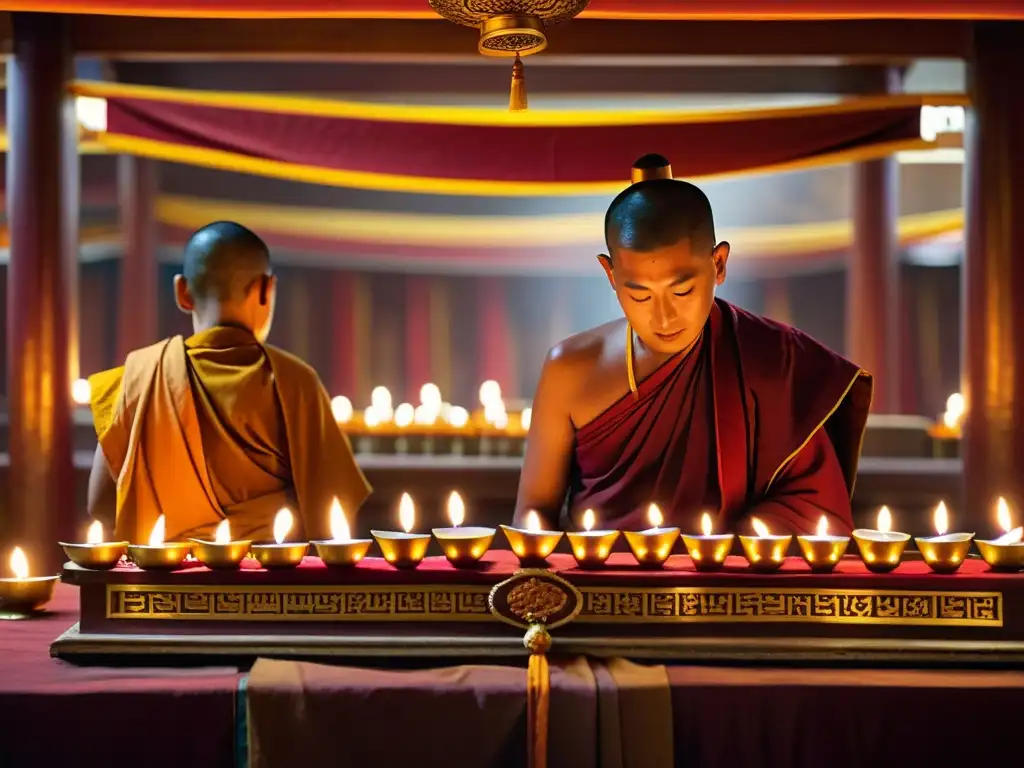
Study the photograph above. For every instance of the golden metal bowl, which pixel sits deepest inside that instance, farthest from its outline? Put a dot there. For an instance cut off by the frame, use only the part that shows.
(531, 547)
(765, 554)
(464, 546)
(823, 553)
(708, 553)
(652, 547)
(25, 596)
(591, 548)
(274, 556)
(881, 552)
(402, 550)
(1002, 557)
(945, 554)
(96, 557)
(220, 557)
(342, 554)
(165, 557)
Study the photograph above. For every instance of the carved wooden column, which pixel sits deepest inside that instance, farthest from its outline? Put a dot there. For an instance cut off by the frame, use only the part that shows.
(137, 316)
(42, 210)
(417, 336)
(993, 275)
(872, 278)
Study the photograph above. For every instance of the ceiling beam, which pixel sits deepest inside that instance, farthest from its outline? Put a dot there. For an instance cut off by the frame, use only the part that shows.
(461, 79)
(869, 41)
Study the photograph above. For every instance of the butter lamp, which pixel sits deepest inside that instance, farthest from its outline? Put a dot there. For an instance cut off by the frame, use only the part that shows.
(341, 551)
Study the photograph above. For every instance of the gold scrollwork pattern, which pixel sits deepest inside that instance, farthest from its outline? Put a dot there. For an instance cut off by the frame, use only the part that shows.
(806, 606)
(314, 603)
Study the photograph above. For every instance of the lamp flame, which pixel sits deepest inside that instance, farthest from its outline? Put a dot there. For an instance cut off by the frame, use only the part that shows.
(654, 516)
(156, 538)
(406, 513)
(884, 523)
(760, 528)
(588, 520)
(339, 525)
(81, 392)
(941, 518)
(533, 522)
(1003, 514)
(282, 524)
(341, 409)
(526, 418)
(823, 526)
(19, 564)
(223, 533)
(95, 533)
(456, 509)
(705, 524)
(430, 396)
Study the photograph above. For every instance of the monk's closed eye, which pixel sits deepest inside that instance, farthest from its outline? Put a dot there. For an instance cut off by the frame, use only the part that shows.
(687, 292)
(640, 300)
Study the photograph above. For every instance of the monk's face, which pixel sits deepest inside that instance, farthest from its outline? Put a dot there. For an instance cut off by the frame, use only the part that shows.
(667, 293)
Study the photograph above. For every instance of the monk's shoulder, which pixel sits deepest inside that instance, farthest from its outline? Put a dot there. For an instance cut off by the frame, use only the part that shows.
(291, 370)
(775, 347)
(583, 353)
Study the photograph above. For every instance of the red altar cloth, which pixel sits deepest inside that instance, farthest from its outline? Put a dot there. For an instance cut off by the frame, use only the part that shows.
(56, 713)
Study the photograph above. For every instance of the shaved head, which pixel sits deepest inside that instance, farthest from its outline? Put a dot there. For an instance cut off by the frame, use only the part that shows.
(654, 214)
(223, 260)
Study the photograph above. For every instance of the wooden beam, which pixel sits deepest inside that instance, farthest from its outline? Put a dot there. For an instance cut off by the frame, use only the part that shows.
(877, 41)
(477, 80)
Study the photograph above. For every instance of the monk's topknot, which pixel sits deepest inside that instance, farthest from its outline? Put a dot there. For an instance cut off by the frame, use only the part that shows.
(223, 259)
(658, 213)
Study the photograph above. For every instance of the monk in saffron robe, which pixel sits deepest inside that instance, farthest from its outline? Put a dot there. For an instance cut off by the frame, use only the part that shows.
(219, 425)
(689, 402)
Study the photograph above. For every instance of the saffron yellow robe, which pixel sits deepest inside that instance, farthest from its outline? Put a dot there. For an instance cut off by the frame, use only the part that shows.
(218, 426)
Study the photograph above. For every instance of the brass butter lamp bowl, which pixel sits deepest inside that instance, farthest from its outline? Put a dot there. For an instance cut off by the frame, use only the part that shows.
(532, 545)
(765, 552)
(823, 551)
(341, 550)
(463, 546)
(280, 554)
(159, 555)
(403, 549)
(221, 554)
(95, 554)
(1006, 552)
(591, 548)
(708, 550)
(24, 595)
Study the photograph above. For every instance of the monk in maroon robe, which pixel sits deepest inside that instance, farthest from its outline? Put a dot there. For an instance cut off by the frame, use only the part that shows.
(690, 402)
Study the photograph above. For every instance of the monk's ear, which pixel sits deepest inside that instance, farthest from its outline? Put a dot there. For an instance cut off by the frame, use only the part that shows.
(267, 288)
(721, 257)
(606, 264)
(182, 295)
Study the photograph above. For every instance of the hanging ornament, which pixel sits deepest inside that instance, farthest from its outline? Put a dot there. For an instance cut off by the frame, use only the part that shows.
(510, 28)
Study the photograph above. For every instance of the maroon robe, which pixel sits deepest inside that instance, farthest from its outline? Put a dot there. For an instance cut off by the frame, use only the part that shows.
(757, 419)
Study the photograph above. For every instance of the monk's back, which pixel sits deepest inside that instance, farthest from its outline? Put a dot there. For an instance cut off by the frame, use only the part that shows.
(239, 413)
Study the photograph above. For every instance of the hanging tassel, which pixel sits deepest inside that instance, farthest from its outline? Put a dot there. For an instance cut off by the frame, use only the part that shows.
(517, 98)
(538, 702)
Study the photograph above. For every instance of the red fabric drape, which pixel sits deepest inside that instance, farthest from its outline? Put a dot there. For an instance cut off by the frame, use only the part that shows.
(417, 335)
(569, 153)
(665, 9)
(495, 350)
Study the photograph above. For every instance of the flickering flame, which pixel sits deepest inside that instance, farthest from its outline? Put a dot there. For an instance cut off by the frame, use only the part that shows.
(760, 528)
(404, 415)
(526, 418)
(19, 564)
(282, 524)
(430, 396)
(823, 526)
(341, 409)
(1003, 515)
(654, 516)
(339, 525)
(156, 538)
(95, 533)
(941, 518)
(533, 522)
(426, 414)
(500, 420)
(588, 520)
(705, 524)
(490, 393)
(406, 513)
(955, 407)
(884, 524)
(373, 417)
(458, 416)
(456, 509)
(81, 392)
(223, 533)
(380, 399)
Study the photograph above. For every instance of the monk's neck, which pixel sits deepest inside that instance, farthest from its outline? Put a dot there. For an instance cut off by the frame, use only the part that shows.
(648, 360)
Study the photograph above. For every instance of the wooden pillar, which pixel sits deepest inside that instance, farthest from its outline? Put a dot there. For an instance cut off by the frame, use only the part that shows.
(993, 275)
(137, 311)
(872, 278)
(494, 336)
(42, 210)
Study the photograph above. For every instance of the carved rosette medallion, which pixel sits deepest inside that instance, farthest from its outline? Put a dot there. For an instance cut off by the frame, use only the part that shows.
(535, 596)
(509, 27)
